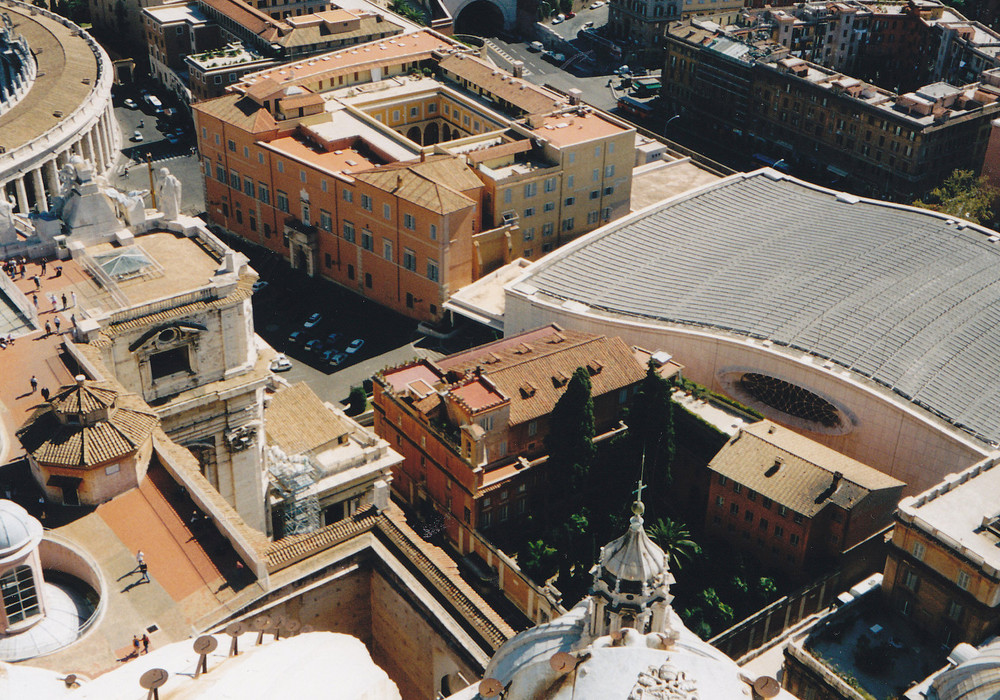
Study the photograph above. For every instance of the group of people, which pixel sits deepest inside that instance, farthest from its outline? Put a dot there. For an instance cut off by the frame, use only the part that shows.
(15, 267)
(140, 645)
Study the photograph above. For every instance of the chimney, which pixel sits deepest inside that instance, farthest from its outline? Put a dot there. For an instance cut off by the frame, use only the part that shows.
(517, 67)
(423, 156)
(837, 476)
(399, 180)
(574, 96)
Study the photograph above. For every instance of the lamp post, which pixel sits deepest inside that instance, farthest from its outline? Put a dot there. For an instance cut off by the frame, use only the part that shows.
(676, 116)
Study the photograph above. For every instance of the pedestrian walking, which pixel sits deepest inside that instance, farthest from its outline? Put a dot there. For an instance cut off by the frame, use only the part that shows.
(64, 300)
(136, 644)
(48, 329)
(144, 570)
(145, 643)
(72, 295)
(140, 558)
(34, 384)
(45, 393)
(58, 323)
(34, 299)
(38, 281)
(72, 318)
(54, 302)
(43, 266)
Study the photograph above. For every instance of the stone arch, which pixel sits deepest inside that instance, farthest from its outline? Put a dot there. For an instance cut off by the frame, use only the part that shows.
(445, 132)
(414, 135)
(431, 134)
(483, 17)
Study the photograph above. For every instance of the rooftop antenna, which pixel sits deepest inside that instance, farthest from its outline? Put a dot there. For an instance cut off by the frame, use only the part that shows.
(637, 507)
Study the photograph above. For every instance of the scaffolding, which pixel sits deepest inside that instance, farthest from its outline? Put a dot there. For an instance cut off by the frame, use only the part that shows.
(293, 479)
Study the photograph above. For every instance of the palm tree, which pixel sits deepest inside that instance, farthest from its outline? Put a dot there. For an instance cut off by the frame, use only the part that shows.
(675, 540)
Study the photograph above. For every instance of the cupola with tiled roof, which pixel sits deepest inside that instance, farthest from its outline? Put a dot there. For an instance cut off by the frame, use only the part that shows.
(82, 427)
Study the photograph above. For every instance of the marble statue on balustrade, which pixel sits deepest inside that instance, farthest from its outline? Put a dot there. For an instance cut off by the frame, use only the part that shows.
(86, 211)
(131, 205)
(168, 194)
(8, 234)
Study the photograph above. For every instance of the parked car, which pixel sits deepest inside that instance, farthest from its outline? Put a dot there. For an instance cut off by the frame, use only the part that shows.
(337, 359)
(536, 46)
(154, 102)
(172, 138)
(354, 346)
(599, 3)
(131, 104)
(314, 345)
(588, 25)
(137, 136)
(559, 19)
(312, 321)
(333, 339)
(553, 57)
(260, 285)
(280, 363)
(296, 337)
(570, 15)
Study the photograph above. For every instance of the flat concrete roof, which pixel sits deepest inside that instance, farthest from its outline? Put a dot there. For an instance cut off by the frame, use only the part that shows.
(905, 297)
(64, 62)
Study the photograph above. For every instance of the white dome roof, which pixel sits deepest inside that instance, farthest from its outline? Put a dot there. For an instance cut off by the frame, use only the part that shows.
(633, 556)
(17, 528)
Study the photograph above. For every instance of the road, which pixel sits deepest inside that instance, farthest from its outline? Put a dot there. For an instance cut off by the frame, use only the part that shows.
(177, 157)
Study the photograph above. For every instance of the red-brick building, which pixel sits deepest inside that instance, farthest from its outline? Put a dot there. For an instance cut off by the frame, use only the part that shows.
(472, 426)
(792, 501)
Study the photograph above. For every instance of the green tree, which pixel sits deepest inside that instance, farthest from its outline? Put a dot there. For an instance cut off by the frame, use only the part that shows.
(717, 614)
(650, 434)
(537, 560)
(964, 195)
(765, 591)
(570, 442)
(357, 401)
(675, 540)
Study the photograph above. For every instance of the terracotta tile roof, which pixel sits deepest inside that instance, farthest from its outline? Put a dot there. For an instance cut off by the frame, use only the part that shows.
(296, 101)
(239, 111)
(369, 28)
(435, 185)
(298, 421)
(262, 90)
(531, 369)
(794, 471)
(288, 550)
(500, 151)
(249, 17)
(84, 444)
(529, 98)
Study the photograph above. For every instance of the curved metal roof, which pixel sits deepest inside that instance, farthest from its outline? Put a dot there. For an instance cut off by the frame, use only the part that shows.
(902, 296)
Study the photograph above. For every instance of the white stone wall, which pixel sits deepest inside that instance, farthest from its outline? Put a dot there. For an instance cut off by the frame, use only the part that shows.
(886, 432)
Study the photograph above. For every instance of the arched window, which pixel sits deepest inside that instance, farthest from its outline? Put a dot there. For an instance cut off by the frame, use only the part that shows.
(20, 599)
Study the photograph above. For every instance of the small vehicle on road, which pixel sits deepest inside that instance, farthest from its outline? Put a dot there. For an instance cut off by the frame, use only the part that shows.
(296, 337)
(260, 285)
(280, 363)
(131, 104)
(337, 359)
(354, 346)
(312, 321)
(314, 345)
(137, 136)
(559, 19)
(536, 46)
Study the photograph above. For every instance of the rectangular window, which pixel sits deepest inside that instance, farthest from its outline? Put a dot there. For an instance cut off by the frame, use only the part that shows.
(325, 221)
(572, 158)
(609, 191)
(366, 202)
(409, 260)
(593, 217)
(368, 280)
(737, 487)
(782, 511)
(283, 202)
(570, 201)
(762, 524)
(548, 229)
(528, 233)
(779, 531)
(567, 224)
(281, 167)
(220, 173)
(549, 206)
(387, 250)
(609, 171)
(793, 539)
(386, 212)
(434, 232)
(432, 270)
(349, 232)
(532, 428)
(597, 151)
(963, 580)
(918, 550)
(529, 212)
(720, 501)
(231, 145)
(734, 509)
(766, 502)
(409, 222)
(234, 180)
(569, 181)
(367, 242)
(507, 196)
(954, 611)
(748, 516)
(911, 580)
(348, 195)
(596, 174)
(248, 187)
(530, 189)
(550, 184)
(594, 194)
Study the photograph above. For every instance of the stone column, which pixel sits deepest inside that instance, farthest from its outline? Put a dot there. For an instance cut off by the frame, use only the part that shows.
(53, 168)
(105, 134)
(88, 149)
(40, 200)
(22, 195)
(102, 163)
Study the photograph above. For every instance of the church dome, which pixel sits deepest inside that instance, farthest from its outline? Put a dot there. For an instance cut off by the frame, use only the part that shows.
(17, 528)
(633, 556)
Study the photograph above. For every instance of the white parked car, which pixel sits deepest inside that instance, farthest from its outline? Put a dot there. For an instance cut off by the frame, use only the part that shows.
(280, 363)
(355, 346)
(312, 321)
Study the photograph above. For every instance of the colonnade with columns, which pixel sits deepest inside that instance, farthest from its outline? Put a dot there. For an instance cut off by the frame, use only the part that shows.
(38, 180)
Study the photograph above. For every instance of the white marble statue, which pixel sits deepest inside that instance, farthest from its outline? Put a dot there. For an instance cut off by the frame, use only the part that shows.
(8, 233)
(168, 194)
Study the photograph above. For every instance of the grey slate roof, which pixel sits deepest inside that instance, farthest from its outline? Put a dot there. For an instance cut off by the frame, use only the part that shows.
(897, 295)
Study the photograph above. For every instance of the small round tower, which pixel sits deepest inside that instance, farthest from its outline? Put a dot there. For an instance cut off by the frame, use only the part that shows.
(631, 585)
(20, 570)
